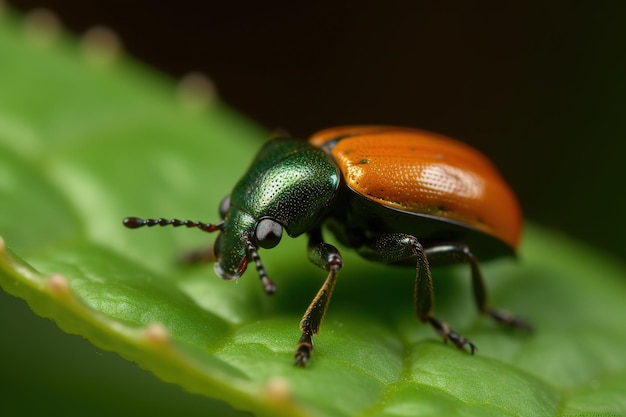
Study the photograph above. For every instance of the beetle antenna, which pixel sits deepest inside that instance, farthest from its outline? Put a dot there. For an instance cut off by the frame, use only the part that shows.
(268, 285)
(136, 222)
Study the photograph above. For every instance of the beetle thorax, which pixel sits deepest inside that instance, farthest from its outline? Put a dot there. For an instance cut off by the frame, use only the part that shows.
(292, 183)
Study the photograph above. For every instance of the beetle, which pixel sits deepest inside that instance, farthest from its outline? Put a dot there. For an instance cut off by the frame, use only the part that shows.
(395, 195)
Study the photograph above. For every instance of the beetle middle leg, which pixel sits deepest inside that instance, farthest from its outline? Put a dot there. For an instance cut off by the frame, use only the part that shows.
(327, 257)
(396, 247)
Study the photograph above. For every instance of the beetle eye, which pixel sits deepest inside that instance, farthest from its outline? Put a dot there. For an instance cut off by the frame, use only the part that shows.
(268, 233)
(224, 207)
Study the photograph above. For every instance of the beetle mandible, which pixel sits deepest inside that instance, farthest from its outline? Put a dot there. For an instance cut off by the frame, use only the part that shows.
(394, 194)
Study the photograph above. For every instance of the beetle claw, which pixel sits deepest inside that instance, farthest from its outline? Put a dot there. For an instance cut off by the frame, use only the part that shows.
(446, 334)
(303, 352)
(461, 342)
(301, 358)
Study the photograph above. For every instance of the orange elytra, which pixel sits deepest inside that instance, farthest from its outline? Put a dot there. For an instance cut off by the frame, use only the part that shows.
(427, 174)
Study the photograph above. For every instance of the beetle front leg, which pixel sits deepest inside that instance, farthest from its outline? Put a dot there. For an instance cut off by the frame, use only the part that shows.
(396, 247)
(327, 257)
(448, 254)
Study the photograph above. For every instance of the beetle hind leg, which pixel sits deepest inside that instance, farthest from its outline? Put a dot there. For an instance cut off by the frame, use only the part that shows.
(396, 247)
(447, 254)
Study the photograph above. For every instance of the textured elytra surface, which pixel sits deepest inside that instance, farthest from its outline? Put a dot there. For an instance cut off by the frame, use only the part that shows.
(423, 172)
(83, 145)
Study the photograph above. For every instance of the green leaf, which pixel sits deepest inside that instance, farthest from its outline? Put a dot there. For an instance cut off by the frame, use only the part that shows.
(84, 144)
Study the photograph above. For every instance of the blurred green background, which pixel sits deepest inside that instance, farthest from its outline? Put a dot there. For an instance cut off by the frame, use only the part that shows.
(538, 86)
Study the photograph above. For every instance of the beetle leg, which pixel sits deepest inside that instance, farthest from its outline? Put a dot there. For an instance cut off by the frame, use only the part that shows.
(396, 247)
(327, 257)
(198, 256)
(447, 254)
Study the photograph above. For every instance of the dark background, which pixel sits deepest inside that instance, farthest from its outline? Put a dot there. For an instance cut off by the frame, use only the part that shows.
(538, 86)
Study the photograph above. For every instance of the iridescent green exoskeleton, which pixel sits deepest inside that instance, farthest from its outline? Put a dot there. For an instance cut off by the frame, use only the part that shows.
(290, 185)
(377, 189)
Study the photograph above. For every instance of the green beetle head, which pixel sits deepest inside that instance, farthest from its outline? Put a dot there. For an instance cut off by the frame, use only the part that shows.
(290, 186)
(240, 237)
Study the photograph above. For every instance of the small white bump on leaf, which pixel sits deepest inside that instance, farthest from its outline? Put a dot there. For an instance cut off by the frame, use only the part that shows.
(101, 46)
(58, 284)
(157, 333)
(42, 26)
(277, 390)
(196, 91)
